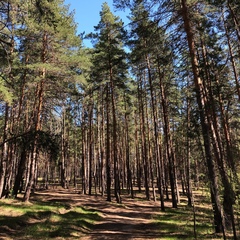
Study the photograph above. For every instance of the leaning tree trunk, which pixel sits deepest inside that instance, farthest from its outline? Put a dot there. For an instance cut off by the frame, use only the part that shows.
(228, 193)
(201, 100)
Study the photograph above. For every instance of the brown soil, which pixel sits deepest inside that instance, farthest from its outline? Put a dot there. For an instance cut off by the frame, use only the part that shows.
(130, 220)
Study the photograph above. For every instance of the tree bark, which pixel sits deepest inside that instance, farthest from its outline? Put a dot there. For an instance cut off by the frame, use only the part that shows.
(168, 141)
(108, 155)
(201, 100)
(37, 119)
(4, 155)
(144, 142)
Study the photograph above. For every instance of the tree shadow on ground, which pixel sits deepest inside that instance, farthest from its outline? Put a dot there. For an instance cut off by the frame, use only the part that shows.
(64, 214)
(46, 224)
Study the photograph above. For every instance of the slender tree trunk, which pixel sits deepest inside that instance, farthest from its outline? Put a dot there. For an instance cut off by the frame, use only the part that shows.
(4, 157)
(160, 174)
(156, 144)
(102, 148)
(63, 151)
(84, 188)
(168, 141)
(144, 143)
(189, 184)
(90, 150)
(108, 155)
(138, 157)
(127, 142)
(115, 147)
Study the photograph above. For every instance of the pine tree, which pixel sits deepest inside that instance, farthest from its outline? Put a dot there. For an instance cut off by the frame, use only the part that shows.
(109, 71)
(148, 45)
(44, 62)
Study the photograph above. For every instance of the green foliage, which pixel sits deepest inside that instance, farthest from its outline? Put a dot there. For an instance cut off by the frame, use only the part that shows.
(109, 54)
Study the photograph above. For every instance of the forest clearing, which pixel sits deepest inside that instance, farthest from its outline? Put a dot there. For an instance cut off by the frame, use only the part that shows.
(67, 214)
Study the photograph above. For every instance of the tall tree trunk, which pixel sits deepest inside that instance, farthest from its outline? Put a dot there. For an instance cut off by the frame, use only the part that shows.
(63, 151)
(201, 100)
(83, 148)
(37, 116)
(228, 195)
(102, 147)
(138, 157)
(4, 155)
(127, 143)
(156, 137)
(168, 140)
(189, 184)
(108, 149)
(115, 146)
(144, 141)
(90, 147)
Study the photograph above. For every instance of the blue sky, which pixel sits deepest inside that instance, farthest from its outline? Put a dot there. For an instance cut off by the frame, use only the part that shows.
(87, 14)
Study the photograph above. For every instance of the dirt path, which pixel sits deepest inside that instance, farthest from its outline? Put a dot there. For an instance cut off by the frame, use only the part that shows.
(130, 220)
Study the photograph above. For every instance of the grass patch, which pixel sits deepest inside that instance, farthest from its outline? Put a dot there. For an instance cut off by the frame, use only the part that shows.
(179, 223)
(44, 220)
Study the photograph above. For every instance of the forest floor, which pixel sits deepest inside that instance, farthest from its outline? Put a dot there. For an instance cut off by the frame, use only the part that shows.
(133, 219)
(130, 220)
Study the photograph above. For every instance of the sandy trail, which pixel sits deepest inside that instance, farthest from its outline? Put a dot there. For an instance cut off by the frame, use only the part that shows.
(130, 220)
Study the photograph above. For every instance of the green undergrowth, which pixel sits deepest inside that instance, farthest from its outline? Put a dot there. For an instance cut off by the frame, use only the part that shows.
(179, 223)
(44, 220)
